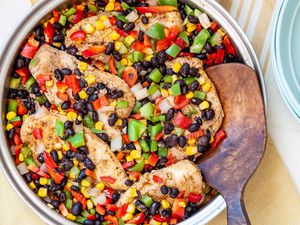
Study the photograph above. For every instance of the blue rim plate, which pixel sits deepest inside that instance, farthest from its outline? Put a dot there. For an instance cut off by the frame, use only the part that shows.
(286, 52)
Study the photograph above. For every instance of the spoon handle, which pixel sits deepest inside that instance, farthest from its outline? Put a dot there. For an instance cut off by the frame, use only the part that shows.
(236, 212)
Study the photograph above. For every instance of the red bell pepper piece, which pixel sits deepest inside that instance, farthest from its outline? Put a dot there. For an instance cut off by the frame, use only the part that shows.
(137, 116)
(139, 46)
(162, 45)
(120, 156)
(177, 210)
(196, 135)
(182, 121)
(111, 219)
(37, 170)
(228, 46)
(220, 136)
(155, 9)
(130, 76)
(61, 86)
(112, 20)
(79, 197)
(172, 33)
(49, 32)
(17, 123)
(30, 48)
(62, 96)
(198, 27)
(127, 165)
(101, 101)
(180, 42)
(91, 217)
(220, 56)
(147, 42)
(180, 101)
(49, 160)
(37, 133)
(153, 159)
(134, 175)
(122, 210)
(157, 179)
(214, 26)
(78, 36)
(91, 174)
(138, 218)
(17, 153)
(194, 198)
(55, 15)
(112, 67)
(100, 209)
(160, 219)
(62, 208)
(57, 177)
(108, 179)
(94, 50)
(78, 16)
(41, 80)
(74, 84)
(121, 32)
(125, 138)
(112, 207)
(24, 74)
(159, 136)
(71, 147)
(21, 109)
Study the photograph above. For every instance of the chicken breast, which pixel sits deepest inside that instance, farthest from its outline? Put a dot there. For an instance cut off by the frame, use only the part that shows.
(99, 152)
(184, 175)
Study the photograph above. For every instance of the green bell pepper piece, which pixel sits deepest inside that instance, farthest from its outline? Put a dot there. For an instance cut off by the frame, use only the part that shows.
(122, 17)
(75, 171)
(138, 167)
(200, 41)
(122, 104)
(189, 80)
(15, 119)
(41, 99)
(80, 219)
(155, 75)
(153, 146)
(29, 160)
(184, 37)
(158, 118)
(154, 130)
(136, 107)
(26, 151)
(120, 70)
(94, 130)
(62, 20)
(168, 79)
(121, 222)
(124, 5)
(146, 200)
(92, 8)
(59, 128)
(173, 50)
(152, 89)
(168, 2)
(68, 194)
(69, 204)
(163, 152)
(214, 40)
(156, 31)
(175, 89)
(197, 12)
(135, 129)
(144, 145)
(123, 49)
(77, 140)
(88, 121)
(200, 95)
(147, 110)
(92, 211)
(85, 213)
(70, 12)
(188, 10)
(178, 131)
(29, 83)
(146, 155)
(15, 82)
(138, 56)
(12, 105)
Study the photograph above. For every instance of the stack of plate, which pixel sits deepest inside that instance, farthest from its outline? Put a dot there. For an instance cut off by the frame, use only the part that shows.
(286, 53)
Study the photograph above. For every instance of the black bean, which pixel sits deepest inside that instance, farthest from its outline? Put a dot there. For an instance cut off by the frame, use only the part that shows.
(55, 203)
(54, 155)
(201, 56)
(115, 95)
(23, 94)
(109, 48)
(180, 82)
(94, 116)
(196, 101)
(184, 89)
(72, 50)
(77, 72)
(103, 137)
(39, 31)
(82, 174)
(141, 36)
(146, 64)
(171, 141)
(67, 164)
(174, 192)
(89, 222)
(115, 197)
(193, 19)
(57, 26)
(182, 141)
(58, 75)
(167, 85)
(162, 57)
(35, 88)
(166, 213)
(154, 208)
(230, 58)
(92, 97)
(59, 37)
(168, 128)
(129, 27)
(154, 61)
(100, 86)
(210, 114)
(11, 133)
(70, 132)
(78, 105)
(170, 114)
(170, 71)
(144, 19)
(184, 70)
(19, 63)
(201, 149)
(62, 197)
(194, 127)
(88, 163)
(54, 187)
(209, 49)
(91, 90)
(117, 55)
(162, 69)
(66, 71)
(80, 157)
(129, 182)
(193, 72)
(164, 190)
(141, 207)
(204, 140)
(40, 158)
(112, 119)
(65, 105)
(89, 107)
(124, 122)
(120, 24)
(182, 14)
(194, 85)
(76, 208)
(83, 149)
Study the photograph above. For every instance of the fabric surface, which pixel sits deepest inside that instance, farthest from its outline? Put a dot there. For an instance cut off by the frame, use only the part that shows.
(270, 197)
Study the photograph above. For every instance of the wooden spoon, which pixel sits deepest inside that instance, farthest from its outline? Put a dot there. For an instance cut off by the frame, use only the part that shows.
(229, 167)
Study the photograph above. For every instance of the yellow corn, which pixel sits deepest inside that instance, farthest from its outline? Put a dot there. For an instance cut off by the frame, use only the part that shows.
(191, 150)
(49, 83)
(60, 155)
(220, 31)
(70, 216)
(129, 63)
(10, 115)
(190, 27)
(83, 191)
(206, 87)
(165, 223)
(90, 79)
(86, 183)
(69, 184)
(201, 80)
(76, 162)
(132, 192)
(170, 91)
(114, 36)
(72, 116)
(21, 157)
(57, 44)
(89, 204)
(129, 158)
(182, 204)
(9, 126)
(114, 103)
(118, 45)
(119, 122)
(124, 62)
(127, 216)
(32, 185)
(204, 105)
(164, 93)
(99, 125)
(65, 147)
(24, 117)
(130, 208)
(89, 28)
(57, 146)
(103, 18)
(79, 118)
(136, 154)
(191, 141)
(82, 66)
(174, 78)
(148, 57)
(82, 94)
(176, 67)
(42, 192)
(165, 204)
(100, 186)
(129, 39)
(110, 7)
(212, 138)
(49, 150)
(43, 181)
(99, 25)
(189, 95)
(154, 222)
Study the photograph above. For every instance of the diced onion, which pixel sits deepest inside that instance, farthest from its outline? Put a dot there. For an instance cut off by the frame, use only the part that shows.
(41, 112)
(100, 199)
(156, 95)
(164, 106)
(171, 100)
(136, 88)
(204, 20)
(22, 168)
(116, 143)
(78, 128)
(107, 23)
(40, 147)
(132, 16)
(47, 199)
(43, 167)
(93, 192)
(106, 109)
(13, 150)
(141, 94)
(218, 39)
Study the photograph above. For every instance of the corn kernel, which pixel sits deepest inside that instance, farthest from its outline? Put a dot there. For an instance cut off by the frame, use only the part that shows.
(42, 192)
(60, 155)
(124, 62)
(109, 7)
(89, 28)
(136, 154)
(114, 36)
(57, 146)
(79, 118)
(43, 181)
(118, 45)
(69, 184)
(82, 94)
(148, 58)
(176, 67)
(164, 93)
(148, 15)
(129, 39)
(65, 147)
(100, 186)
(191, 141)
(24, 117)
(129, 158)
(191, 150)
(21, 157)
(206, 87)
(191, 27)
(90, 79)
(132, 192)
(82, 66)
(32, 185)
(103, 18)
(130, 208)
(189, 95)
(165, 204)
(9, 126)
(72, 116)
(49, 150)
(76, 162)
(127, 216)
(70, 216)
(148, 51)
(129, 63)
(86, 183)
(89, 204)
(49, 83)
(119, 122)
(174, 78)
(11, 115)
(83, 191)
(52, 20)
(154, 222)
(99, 125)
(212, 138)
(220, 31)
(99, 25)
(182, 204)
(170, 91)
(57, 44)
(201, 80)
(165, 223)
(114, 103)
(204, 105)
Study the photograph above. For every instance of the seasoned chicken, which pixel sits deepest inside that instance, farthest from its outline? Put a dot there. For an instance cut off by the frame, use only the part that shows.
(183, 175)
(99, 152)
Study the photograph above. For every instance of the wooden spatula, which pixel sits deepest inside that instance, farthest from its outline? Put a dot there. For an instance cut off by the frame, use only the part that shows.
(229, 167)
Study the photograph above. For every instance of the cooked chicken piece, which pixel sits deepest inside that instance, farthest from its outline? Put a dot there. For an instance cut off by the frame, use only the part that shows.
(103, 37)
(99, 152)
(184, 175)
(211, 96)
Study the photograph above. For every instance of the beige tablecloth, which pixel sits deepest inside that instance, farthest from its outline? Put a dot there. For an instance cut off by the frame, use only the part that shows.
(270, 197)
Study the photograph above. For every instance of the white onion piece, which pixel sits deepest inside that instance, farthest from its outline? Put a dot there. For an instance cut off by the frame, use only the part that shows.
(78, 128)
(171, 100)
(132, 16)
(43, 167)
(116, 143)
(136, 88)
(141, 94)
(204, 20)
(22, 168)
(156, 95)
(164, 106)
(142, 73)
(218, 39)
(106, 109)
(124, 130)
(13, 150)
(93, 192)
(42, 111)
(47, 199)
(107, 23)
(40, 147)
(100, 199)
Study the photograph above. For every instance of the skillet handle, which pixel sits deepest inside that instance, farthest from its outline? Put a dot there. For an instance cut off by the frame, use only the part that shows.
(236, 212)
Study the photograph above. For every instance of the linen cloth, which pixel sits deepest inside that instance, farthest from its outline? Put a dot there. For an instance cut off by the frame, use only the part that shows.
(271, 197)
